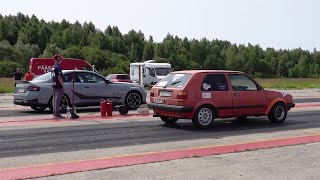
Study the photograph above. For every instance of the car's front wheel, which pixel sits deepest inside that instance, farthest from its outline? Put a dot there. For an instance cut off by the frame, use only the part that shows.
(278, 113)
(204, 117)
(133, 100)
(169, 120)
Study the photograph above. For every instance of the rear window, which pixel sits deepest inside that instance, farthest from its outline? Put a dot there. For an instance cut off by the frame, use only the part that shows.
(43, 77)
(123, 77)
(174, 80)
(162, 71)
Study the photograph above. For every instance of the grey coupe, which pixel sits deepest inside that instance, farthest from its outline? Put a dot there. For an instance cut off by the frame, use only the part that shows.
(89, 89)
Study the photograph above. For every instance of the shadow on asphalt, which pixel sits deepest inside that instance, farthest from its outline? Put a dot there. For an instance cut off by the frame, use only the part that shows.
(78, 110)
(233, 125)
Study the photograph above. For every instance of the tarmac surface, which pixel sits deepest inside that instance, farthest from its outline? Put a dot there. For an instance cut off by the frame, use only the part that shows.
(34, 140)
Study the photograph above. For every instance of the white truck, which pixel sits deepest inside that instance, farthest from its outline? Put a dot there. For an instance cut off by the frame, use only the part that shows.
(148, 72)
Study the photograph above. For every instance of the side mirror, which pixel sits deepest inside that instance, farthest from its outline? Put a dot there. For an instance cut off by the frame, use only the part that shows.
(107, 81)
(259, 88)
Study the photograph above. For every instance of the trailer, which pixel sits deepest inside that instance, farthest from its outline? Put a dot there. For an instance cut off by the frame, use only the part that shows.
(149, 72)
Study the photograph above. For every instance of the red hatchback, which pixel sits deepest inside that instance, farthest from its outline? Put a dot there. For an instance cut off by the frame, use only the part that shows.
(119, 78)
(203, 95)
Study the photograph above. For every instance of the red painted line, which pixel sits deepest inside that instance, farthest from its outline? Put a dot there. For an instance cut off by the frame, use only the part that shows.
(118, 161)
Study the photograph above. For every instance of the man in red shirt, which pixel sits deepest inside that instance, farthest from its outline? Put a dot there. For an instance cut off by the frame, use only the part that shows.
(29, 76)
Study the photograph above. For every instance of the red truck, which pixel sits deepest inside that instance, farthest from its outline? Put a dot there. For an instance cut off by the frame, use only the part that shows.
(40, 66)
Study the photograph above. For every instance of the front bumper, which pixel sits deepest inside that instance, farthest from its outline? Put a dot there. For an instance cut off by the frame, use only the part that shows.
(171, 108)
(291, 105)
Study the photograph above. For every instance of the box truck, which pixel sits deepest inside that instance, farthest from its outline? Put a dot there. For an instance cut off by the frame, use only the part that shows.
(148, 72)
(40, 66)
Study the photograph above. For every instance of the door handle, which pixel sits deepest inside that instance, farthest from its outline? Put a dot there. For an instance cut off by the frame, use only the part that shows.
(86, 87)
(236, 94)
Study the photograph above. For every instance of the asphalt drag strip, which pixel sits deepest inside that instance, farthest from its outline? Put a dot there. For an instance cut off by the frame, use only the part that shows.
(119, 161)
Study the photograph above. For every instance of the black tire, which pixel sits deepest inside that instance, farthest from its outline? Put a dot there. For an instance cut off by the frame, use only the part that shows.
(39, 109)
(204, 117)
(63, 106)
(169, 120)
(133, 100)
(123, 110)
(278, 113)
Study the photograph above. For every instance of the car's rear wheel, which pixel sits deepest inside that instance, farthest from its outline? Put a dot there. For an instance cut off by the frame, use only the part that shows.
(39, 109)
(169, 120)
(204, 117)
(133, 100)
(278, 113)
(63, 105)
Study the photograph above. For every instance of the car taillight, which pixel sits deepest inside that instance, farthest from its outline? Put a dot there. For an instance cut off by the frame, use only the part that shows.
(33, 88)
(151, 93)
(182, 95)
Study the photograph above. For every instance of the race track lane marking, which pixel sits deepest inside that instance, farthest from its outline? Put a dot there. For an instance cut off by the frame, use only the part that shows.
(43, 170)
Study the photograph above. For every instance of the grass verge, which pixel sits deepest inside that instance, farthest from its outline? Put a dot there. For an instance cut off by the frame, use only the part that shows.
(290, 83)
(6, 85)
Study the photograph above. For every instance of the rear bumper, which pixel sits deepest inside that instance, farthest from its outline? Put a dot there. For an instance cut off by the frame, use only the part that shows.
(33, 102)
(171, 108)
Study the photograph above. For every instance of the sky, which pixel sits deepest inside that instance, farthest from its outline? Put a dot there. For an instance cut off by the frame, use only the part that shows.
(281, 24)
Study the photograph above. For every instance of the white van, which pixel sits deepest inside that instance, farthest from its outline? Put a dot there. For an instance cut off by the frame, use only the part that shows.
(148, 72)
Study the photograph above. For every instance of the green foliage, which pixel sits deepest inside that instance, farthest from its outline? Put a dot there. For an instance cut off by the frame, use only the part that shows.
(7, 68)
(6, 50)
(23, 37)
(73, 52)
(51, 50)
(97, 57)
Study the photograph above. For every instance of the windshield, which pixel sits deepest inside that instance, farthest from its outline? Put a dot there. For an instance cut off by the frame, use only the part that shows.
(162, 71)
(174, 80)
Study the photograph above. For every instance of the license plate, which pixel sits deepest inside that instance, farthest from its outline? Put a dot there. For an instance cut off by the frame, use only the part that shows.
(159, 101)
(22, 90)
(166, 93)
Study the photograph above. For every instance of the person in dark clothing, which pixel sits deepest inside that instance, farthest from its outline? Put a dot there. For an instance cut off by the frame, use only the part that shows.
(17, 77)
(58, 86)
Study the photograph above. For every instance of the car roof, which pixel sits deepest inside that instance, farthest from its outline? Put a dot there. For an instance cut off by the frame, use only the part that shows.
(77, 70)
(117, 74)
(208, 71)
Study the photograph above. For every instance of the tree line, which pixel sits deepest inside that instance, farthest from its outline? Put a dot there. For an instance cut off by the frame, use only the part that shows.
(23, 37)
